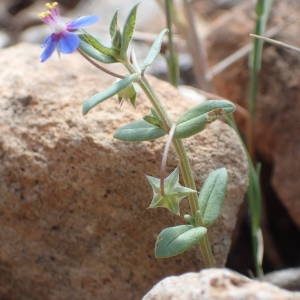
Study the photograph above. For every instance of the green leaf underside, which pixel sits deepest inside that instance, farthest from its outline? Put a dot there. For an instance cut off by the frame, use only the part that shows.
(92, 52)
(128, 30)
(97, 44)
(154, 50)
(139, 131)
(211, 196)
(111, 91)
(175, 240)
(195, 119)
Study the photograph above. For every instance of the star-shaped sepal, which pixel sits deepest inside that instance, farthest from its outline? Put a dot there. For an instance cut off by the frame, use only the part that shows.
(174, 192)
(129, 93)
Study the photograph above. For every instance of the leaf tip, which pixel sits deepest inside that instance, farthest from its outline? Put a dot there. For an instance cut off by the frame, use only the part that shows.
(85, 109)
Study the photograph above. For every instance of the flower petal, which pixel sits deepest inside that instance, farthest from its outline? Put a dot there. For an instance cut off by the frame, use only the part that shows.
(68, 42)
(50, 45)
(82, 22)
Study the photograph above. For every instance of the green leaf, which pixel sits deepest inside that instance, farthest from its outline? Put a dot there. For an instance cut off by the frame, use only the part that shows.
(139, 131)
(97, 44)
(128, 30)
(212, 195)
(114, 89)
(153, 118)
(92, 52)
(206, 107)
(117, 40)
(194, 120)
(115, 34)
(254, 195)
(189, 219)
(190, 127)
(113, 25)
(175, 240)
(154, 50)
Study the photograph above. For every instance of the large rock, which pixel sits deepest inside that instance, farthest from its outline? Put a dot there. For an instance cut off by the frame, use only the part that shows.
(286, 278)
(218, 284)
(73, 201)
(278, 105)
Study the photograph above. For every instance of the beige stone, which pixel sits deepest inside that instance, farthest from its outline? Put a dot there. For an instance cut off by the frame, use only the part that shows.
(216, 284)
(74, 218)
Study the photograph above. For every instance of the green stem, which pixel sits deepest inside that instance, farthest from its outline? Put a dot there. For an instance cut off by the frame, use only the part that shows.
(254, 201)
(172, 56)
(189, 181)
(185, 166)
(262, 9)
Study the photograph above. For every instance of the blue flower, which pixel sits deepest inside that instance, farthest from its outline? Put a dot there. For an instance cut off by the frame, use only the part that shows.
(63, 38)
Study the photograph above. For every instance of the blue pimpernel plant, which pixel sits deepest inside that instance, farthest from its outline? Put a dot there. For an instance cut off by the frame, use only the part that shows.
(205, 206)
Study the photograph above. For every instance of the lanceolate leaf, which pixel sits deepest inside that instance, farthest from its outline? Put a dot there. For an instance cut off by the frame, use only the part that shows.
(206, 107)
(194, 120)
(113, 25)
(153, 118)
(190, 127)
(139, 131)
(92, 52)
(212, 196)
(175, 240)
(115, 34)
(254, 195)
(97, 44)
(117, 40)
(128, 30)
(154, 50)
(114, 89)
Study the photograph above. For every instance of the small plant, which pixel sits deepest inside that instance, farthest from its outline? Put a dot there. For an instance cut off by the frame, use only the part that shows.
(205, 206)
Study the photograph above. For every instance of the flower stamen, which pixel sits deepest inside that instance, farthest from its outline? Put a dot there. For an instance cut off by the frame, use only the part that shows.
(44, 14)
(51, 5)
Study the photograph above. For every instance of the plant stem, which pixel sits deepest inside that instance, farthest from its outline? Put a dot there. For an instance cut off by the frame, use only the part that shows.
(262, 9)
(172, 56)
(99, 66)
(185, 166)
(189, 181)
(255, 204)
(164, 160)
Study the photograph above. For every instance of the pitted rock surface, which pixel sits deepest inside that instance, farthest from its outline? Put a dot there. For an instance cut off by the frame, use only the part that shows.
(216, 284)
